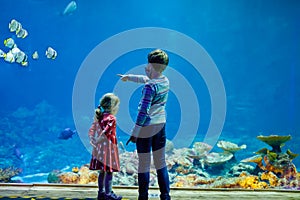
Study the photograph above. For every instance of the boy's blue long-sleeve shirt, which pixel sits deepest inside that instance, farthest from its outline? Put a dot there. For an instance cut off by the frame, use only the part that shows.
(151, 108)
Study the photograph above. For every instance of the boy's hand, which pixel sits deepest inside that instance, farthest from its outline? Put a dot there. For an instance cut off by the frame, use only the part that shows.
(131, 139)
(124, 77)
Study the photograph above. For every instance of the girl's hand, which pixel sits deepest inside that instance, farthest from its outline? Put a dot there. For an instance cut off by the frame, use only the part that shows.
(100, 138)
(93, 143)
(124, 77)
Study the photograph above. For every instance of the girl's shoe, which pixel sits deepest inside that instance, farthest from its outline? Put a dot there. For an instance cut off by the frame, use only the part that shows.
(112, 196)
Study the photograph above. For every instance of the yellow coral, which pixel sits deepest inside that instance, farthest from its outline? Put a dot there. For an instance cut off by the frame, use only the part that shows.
(75, 169)
(69, 177)
(83, 179)
(251, 182)
(203, 181)
(93, 176)
(181, 170)
(191, 177)
(298, 176)
(178, 184)
(84, 170)
(270, 177)
(180, 181)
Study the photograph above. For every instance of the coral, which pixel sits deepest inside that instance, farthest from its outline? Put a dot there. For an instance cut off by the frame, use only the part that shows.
(257, 159)
(291, 154)
(236, 170)
(275, 161)
(230, 147)
(203, 181)
(7, 173)
(225, 183)
(191, 180)
(131, 168)
(213, 159)
(83, 179)
(75, 169)
(275, 141)
(181, 170)
(197, 167)
(129, 161)
(281, 166)
(87, 176)
(251, 182)
(179, 158)
(93, 177)
(69, 177)
(270, 177)
(179, 181)
(199, 150)
(53, 177)
(169, 147)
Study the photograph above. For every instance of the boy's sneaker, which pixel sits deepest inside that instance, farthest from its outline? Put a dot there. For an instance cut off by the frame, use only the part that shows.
(112, 196)
(101, 196)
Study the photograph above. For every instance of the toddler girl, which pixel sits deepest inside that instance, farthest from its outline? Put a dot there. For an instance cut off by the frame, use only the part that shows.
(105, 156)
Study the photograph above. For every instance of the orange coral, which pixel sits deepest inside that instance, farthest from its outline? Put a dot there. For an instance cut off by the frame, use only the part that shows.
(271, 167)
(69, 177)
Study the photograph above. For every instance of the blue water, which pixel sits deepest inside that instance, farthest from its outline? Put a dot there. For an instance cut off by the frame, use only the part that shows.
(254, 44)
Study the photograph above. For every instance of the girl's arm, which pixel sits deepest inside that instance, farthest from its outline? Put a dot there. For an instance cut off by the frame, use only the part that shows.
(110, 122)
(92, 132)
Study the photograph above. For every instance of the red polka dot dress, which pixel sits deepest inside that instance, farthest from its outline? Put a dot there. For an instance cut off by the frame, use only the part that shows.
(105, 154)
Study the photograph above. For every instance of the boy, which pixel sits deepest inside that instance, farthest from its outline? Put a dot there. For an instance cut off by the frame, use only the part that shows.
(149, 130)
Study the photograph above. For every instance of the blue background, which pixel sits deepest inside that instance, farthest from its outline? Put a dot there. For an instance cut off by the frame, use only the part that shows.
(255, 45)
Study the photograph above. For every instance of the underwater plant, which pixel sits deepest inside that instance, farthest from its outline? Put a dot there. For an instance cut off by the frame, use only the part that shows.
(274, 160)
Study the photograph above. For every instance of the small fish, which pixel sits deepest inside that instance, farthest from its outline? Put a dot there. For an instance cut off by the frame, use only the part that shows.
(14, 26)
(9, 57)
(66, 134)
(17, 152)
(22, 33)
(9, 42)
(70, 8)
(20, 56)
(35, 55)
(2, 53)
(51, 53)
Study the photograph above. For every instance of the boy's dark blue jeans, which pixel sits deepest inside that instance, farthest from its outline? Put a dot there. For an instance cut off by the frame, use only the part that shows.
(154, 137)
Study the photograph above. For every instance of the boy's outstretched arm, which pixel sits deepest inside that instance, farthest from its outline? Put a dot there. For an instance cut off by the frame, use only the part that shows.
(123, 77)
(133, 78)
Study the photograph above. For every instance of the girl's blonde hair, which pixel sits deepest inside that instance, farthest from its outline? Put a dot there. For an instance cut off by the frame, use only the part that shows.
(108, 103)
